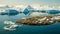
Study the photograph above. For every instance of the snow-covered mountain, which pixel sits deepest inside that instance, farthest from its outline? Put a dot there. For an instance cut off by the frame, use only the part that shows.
(28, 9)
(36, 7)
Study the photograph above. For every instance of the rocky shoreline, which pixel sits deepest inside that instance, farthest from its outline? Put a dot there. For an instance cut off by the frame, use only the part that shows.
(39, 20)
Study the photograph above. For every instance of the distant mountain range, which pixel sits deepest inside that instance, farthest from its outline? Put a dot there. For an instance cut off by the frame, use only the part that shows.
(28, 10)
(39, 7)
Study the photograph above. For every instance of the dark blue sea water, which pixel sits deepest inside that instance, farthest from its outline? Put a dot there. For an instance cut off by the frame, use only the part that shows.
(26, 29)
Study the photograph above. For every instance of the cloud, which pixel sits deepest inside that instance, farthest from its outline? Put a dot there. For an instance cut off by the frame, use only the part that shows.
(44, 7)
(35, 6)
(39, 7)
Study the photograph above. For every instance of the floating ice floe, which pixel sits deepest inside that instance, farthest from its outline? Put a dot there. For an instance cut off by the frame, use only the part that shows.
(11, 25)
(8, 22)
(6, 28)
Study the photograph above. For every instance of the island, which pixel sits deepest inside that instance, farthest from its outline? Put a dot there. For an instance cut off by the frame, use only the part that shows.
(40, 20)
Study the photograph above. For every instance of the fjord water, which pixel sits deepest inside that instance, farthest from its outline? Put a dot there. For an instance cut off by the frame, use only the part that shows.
(26, 29)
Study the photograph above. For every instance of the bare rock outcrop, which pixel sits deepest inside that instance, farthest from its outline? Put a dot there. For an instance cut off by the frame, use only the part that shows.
(39, 20)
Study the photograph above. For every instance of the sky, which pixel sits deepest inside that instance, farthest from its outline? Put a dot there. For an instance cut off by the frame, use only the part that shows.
(41, 2)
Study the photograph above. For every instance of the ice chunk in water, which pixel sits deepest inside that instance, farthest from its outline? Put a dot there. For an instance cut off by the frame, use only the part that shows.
(10, 25)
(8, 22)
(6, 28)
